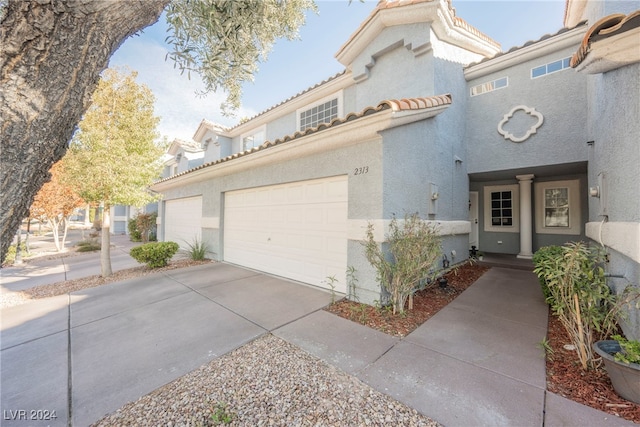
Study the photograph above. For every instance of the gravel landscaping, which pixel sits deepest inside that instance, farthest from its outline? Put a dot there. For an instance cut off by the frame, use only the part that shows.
(267, 382)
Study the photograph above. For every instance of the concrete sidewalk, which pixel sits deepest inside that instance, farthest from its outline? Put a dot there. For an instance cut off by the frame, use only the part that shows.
(477, 362)
(45, 270)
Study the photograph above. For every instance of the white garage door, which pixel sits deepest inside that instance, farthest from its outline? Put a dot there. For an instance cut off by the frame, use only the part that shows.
(296, 230)
(183, 220)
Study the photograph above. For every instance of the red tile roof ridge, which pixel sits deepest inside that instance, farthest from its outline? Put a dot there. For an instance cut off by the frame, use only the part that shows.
(417, 103)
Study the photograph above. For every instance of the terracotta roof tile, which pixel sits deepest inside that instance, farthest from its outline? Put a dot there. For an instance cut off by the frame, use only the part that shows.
(606, 27)
(527, 44)
(335, 76)
(408, 104)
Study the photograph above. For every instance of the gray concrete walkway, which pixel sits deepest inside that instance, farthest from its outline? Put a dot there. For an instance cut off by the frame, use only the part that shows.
(476, 362)
(54, 267)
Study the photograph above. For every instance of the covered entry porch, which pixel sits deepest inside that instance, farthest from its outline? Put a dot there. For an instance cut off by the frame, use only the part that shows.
(517, 211)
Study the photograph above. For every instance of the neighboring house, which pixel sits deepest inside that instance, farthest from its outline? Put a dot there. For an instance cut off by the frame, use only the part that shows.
(507, 152)
(180, 156)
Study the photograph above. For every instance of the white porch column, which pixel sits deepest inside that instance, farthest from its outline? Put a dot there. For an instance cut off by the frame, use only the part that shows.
(526, 222)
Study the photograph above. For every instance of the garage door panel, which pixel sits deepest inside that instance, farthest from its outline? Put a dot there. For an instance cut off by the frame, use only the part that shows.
(183, 220)
(295, 230)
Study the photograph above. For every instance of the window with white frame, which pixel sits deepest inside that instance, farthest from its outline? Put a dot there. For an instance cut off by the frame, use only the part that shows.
(558, 207)
(253, 139)
(501, 208)
(490, 86)
(551, 67)
(323, 112)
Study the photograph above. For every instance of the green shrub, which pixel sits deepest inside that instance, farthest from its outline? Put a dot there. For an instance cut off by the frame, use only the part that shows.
(88, 245)
(542, 260)
(134, 233)
(580, 297)
(413, 252)
(156, 254)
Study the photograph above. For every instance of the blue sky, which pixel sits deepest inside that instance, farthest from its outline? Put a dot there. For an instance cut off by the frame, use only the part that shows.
(294, 66)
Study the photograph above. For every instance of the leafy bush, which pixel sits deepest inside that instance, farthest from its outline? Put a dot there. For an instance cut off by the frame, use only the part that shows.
(156, 254)
(542, 258)
(580, 297)
(142, 226)
(134, 233)
(414, 249)
(197, 250)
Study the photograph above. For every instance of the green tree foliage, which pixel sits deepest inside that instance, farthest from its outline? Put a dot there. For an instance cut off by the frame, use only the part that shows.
(224, 40)
(113, 157)
(56, 56)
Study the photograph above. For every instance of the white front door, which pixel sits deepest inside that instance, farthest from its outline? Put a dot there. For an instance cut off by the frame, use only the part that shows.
(473, 219)
(296, 230)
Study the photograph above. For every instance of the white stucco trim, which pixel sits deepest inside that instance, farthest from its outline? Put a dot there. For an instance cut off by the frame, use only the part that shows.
(536, 50)
(436, 13)
(574, 12)
(526, 134)
(623, 237)
(210, 222)
(357, 228)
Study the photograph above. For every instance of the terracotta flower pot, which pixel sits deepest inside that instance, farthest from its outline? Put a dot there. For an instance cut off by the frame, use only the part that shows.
(625, 377)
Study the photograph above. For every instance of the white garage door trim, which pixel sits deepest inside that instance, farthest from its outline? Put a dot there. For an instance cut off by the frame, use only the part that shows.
(296, 230)
(183, 220)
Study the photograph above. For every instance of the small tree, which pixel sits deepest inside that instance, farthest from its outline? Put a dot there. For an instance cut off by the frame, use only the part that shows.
(113, 156)
(580, 296)
(413, 251)
(55, 203)
(145, 223)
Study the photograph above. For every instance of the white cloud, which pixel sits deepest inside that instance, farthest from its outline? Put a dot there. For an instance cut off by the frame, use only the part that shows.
(177, 103)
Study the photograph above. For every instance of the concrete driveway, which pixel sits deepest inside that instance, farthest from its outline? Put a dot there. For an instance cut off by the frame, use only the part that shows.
(83, 355)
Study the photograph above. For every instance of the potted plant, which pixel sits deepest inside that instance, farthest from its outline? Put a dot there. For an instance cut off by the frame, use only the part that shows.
(622, 361)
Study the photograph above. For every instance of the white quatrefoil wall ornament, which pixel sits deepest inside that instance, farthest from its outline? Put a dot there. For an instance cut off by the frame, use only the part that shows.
(527, 110)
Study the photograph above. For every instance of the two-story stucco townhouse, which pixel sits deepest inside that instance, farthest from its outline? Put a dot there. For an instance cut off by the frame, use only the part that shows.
(507, 152)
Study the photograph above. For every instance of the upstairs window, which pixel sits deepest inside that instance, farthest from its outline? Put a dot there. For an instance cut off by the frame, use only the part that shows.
(551, 67)
(490, 86)
(253, 139)
(323, 112)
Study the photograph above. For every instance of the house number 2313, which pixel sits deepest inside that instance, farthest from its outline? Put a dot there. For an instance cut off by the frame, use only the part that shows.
(361, 170)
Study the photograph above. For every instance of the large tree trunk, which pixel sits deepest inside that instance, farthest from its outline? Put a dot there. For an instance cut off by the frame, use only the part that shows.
(51, 56)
